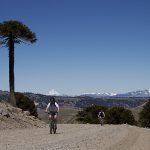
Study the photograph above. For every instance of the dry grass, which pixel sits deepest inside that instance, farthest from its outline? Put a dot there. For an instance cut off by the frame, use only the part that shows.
(136, 111)
(66, 115)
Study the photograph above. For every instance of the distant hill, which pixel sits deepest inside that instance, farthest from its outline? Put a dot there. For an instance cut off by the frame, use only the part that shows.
(128, 102)
(82, 101)
(71, 105)
(4, 95)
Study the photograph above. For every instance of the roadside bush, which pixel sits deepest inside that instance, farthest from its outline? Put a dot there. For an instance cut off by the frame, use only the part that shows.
(119, 115)
(145, 115)
(90, 114)
(26, 104)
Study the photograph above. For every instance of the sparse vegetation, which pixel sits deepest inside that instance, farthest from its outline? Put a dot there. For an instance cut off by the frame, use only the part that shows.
(119, 115)
(90, 114)
(145, 115)
(114, 115)
(26, 104)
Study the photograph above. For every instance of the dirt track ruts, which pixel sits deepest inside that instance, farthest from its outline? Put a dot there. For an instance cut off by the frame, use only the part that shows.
(77, 137)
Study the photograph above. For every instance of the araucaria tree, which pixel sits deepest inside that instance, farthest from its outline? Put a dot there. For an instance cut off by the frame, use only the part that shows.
(14, 32)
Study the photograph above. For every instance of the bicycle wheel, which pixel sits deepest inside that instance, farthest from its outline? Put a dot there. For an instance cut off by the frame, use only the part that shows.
(51, 126)
(55, 126)
(101, 121)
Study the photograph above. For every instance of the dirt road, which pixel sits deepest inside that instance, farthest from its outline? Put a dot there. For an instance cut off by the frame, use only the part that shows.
(77, 137)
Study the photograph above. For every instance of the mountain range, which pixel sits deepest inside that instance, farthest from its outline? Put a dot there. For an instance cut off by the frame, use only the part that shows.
(130, 99)
(138, 93)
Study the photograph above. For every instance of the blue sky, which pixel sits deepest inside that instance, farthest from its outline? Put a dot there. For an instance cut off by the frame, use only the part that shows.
(83, 46)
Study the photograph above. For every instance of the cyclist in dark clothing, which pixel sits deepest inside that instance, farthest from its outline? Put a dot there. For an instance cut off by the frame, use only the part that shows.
(101, 116)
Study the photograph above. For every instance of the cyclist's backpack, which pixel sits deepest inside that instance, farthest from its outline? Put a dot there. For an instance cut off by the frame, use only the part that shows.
(53, 108)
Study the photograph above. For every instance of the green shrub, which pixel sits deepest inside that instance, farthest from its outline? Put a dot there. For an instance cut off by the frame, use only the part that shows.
(119, 115)
(145, 115)
(26, 104)
(90, 114)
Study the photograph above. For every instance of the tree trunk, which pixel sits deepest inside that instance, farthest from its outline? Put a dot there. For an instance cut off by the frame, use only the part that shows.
(11, 71)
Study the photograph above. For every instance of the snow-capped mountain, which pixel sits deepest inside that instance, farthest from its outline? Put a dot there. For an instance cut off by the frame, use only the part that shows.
(138, 93)
(97, 95)
(53, 92)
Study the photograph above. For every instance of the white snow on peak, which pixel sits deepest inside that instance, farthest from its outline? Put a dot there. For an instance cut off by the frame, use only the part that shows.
(53, 92)
(100, 94)
(138, 93)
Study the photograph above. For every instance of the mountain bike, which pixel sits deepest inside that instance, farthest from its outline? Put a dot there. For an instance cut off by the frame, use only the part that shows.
(101, 121)
(53, 123)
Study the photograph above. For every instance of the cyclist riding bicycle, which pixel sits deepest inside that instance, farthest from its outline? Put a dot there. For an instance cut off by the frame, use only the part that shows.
(101, 116)
(53, 109)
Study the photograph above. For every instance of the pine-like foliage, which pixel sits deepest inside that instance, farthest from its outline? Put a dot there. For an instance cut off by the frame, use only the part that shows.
(145, 115)
(90, 114)
(26, 104)
(119, 115)
(18, 31)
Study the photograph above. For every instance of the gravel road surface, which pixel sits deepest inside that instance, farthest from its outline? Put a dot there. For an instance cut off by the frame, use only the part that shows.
(77, 137)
